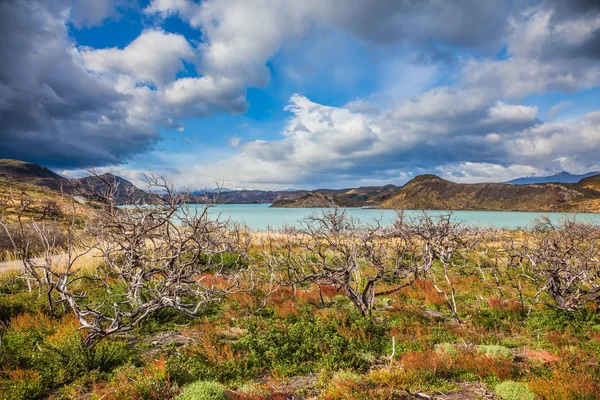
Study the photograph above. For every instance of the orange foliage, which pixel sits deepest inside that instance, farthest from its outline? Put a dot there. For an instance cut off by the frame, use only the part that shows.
(424, 290)
(566, 385)
(504, 305)
(152, 382)
(31, 322)
(541, 356)
(446, 365)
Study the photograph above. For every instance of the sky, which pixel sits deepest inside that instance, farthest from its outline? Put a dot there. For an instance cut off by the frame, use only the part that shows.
(275, 94)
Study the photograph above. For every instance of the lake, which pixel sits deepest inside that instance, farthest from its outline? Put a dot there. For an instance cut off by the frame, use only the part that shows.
(261, 216)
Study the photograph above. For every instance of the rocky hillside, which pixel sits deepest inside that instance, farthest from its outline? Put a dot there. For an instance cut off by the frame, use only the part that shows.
(37, 202)
(593, 182)
(127, 192)
(357, 197)
(33, 174)
(307, 200)
(433, 192)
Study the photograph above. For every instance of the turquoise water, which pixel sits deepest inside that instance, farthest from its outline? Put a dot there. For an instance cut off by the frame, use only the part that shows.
(260, 216)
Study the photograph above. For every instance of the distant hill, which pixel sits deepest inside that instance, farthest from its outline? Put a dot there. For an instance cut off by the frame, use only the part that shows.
(560, 177)
(242, 196)
(39, 202)
(127, 192)
(307, 200)
(591, 182)
(34, 174)
(357, 197)
(423, 192)
(434, 193)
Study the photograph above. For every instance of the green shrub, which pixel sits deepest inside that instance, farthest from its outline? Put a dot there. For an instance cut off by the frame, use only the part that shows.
(22, 384)
(304, 344)
(203, 390)
(510, 390)
(494, 350)
(447, 348)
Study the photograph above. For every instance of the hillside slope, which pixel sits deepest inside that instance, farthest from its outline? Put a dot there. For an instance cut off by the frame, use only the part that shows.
(127, 192)
(357, 197)
(37, 202)
(307, 200)
(33, 174)
(592, 182)
(433, 192)
(21, 171)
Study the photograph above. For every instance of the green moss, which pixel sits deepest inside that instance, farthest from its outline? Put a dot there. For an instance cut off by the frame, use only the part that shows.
(494, 350)
(447, 348)
(510, 390)
(203, 390)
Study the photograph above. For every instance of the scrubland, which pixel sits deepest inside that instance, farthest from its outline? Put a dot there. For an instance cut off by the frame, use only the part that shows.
(200, 309)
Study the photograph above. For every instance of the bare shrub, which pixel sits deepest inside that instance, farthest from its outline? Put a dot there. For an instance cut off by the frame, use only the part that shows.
(153, 256)
(446, 244)
(562, 260)
(360, 260)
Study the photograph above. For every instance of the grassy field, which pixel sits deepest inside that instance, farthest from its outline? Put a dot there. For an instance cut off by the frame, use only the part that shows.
(426, 309)
(308, 341)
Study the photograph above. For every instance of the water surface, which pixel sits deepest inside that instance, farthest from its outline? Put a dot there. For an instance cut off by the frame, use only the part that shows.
(261, 216)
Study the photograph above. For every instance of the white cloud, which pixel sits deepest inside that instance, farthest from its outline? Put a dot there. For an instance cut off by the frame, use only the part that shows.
(153, 57)
(510, 113)
(85, 13)
(334, 144)
(474, 122)
(470, 172)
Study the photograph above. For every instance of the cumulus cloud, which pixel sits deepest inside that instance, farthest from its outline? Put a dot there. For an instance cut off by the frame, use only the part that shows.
(85, 13)
(551, 47)
(51, 109)
(153, 57)
(103, 106)
(477, 142)
(65, 106)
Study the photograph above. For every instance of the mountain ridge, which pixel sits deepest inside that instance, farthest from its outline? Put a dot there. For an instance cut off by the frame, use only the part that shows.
(558, 177)
(34, 174)
(422, 192)
(434, 193)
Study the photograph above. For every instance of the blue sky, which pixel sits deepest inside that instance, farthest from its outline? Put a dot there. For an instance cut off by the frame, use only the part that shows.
(277, 94)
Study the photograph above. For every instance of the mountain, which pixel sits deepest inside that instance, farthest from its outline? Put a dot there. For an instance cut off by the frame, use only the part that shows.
(307, 200)
(34, 174)
(434, 193)
(242, 196)
(560, 177)
(591, 182)
(126, 193)
(356, 197)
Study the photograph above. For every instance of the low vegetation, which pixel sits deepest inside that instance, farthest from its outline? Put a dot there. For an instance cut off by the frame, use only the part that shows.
(173, 305)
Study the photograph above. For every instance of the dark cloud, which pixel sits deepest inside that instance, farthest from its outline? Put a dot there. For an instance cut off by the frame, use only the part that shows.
(52, 111)
(569, 8)
(467, 23)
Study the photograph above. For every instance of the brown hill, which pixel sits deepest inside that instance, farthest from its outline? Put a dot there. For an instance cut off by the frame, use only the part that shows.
(432, 192)
(357, 197)
(592, 182)
(127, 192)
(307, 200)
(37, 202)
(34, 174)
